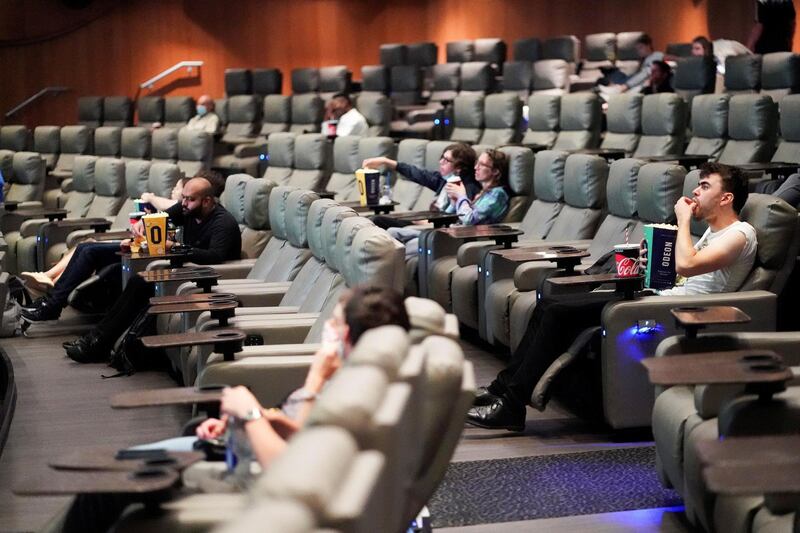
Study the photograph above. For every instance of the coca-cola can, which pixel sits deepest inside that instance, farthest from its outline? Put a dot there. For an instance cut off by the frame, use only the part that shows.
(627, 259)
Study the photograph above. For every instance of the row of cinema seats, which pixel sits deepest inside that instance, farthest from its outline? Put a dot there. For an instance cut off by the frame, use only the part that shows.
(171, 112)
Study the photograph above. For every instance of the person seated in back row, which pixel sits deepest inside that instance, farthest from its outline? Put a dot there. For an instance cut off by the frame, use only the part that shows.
(616, 81)
(343, 118)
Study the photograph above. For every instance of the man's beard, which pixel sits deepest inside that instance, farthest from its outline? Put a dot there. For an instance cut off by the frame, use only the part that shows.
(194, 213)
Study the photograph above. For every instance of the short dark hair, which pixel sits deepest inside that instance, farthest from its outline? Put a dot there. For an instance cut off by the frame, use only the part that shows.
(708, 46)
(368, 306)
(463, 156)
(499, 163)
(663, 65)
(342, 95)
(214, 178)
(645, 40)
(733, 181)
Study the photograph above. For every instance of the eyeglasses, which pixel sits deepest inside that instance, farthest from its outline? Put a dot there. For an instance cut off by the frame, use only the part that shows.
(443, 158)
(484, 165)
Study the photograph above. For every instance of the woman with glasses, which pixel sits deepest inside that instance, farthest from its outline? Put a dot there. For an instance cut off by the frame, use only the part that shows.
(490, 205)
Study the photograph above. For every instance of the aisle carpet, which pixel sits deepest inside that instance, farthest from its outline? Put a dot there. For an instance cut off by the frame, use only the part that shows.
(526, 488)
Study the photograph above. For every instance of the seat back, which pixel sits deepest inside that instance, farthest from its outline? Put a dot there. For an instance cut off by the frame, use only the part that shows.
(256, 231)
(77, 201)
(293, 254)
(579, 122)
(446, 82)
(332, 223)
(467, 118)
(345, 164)
(75, 140)
(162, 178)
(117, 111)
(28, 172)
(789, 147)
(663, 125)
(564, 47)
(460, 51)
(375, 258)
(548, 193)
(544, 111)
(585, 178)
(150, 111)
(137, 174)
(238, 81)
(134, 143)
(600, 50)
(267, 81)
(90, 111)
(194, 151)
(305, 80)
(743, 74)
(627, 57)
(109, 188)
(695, 75)
(281, 158)
(277, 114)
(477, 78)
(709, 124)
(107, 141)
(345, 187)
(243, 114)
(47, 141)
(658, 187)
(624, 118)
(551, 76)
(780, 74)
(422, 54)
(518, 78)
(520, 180)
(492, 50)
(164, 147)
(310, 161)
(178, 110)
(393, 54)
(269, 257)
(377, 109)
(306, 113)
(15, 138)
(334, 80)
(406, 84)
(375, 79)
(529, 49)
(232, 197)
(502, 114)
(404, 191)
(752, 129)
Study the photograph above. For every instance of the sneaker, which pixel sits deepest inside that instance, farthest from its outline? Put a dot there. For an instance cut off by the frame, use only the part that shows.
(43, 312)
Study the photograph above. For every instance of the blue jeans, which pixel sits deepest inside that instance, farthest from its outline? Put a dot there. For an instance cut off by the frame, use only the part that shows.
(89, 257)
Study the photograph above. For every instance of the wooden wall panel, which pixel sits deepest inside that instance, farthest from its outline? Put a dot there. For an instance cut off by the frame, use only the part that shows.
(133, 40)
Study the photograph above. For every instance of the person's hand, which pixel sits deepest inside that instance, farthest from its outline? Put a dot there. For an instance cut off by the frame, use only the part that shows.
(642, 255)
(138, 228)
(211, 428)
(125, 245)
(148, 196)
(455, 190)
(238, 401)
(684, 208)
(168, 245)
(326, 362)
(374, 162)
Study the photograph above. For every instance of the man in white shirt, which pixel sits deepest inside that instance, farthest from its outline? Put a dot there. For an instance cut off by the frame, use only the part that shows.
(205, 119)
(341, 118)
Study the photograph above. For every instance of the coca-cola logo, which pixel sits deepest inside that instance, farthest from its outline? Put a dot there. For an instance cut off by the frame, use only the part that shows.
(627, 267)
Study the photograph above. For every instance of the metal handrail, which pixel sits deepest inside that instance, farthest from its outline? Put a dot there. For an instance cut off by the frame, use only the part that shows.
(28, 101)
(188, 65)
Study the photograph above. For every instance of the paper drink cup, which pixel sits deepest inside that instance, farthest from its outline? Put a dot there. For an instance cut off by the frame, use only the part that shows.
(627, 260)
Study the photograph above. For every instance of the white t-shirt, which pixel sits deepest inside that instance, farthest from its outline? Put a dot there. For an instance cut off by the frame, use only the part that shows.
(352, 123)
(725, 279)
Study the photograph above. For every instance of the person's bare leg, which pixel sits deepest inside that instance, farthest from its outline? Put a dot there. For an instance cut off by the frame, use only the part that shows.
(55, 272)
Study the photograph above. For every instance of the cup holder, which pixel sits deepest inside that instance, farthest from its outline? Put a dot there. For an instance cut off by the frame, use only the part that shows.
(691, 309)
(211, 388)
(227, 335)
(148, 473)
(758, 358)
(161, 461)
(766, 367)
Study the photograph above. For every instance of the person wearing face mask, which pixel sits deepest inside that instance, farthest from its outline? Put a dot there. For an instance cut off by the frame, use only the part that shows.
(206, 119)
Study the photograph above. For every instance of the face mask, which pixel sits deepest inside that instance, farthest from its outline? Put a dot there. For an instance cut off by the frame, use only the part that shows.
(201, 110)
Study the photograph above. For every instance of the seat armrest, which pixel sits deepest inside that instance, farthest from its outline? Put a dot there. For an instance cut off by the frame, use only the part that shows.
(250, 150)
(528, 276)
(30, 227)
(234, 269)
(470, 253)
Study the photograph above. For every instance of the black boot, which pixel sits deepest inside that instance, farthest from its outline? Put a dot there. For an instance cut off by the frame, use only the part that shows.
(89, 348)
(484, 396)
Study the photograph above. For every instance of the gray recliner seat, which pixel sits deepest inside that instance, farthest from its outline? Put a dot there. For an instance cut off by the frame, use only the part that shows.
(752, 129)
(12, 139)
(743, 74)
(117, 111)
(628, 60)
(243, 114)
(551, 76)
(367, 147)
(579, 122)
(27, 187)
(177, 111)
(107, 141)
(267, 81)
(477, 78)
(565, 47)
(164, 147)
(306, 113)
(134, 144)
(624, 119)
(150, 110)
(310, 161)
(281, 157)
(90, 111)
(406, 85)
(528, 49)
(709, 125)
(47, 141)
(75, 140)
(404, 191)
(501, 119)
(374, 79)
(600, 51)
(333, 80)
(518, 78)
(789, 146)
(305, 80)
(694, 76)
(543, 115)
(663, 125)
(194, 151)
(276, 114)
(780, 74)
(345, 164)
(377, 109)
(467, 118)
(446, 82)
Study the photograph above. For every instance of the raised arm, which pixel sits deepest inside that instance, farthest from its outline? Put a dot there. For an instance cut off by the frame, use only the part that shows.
(719, 254)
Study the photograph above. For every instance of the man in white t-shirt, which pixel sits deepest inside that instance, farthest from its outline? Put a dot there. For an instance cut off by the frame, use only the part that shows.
(341, 116)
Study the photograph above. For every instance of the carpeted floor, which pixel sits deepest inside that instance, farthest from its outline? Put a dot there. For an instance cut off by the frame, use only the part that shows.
(526, 488)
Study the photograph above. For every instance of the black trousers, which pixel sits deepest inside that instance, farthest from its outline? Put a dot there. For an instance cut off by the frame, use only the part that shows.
(131, 302)
(554, 325)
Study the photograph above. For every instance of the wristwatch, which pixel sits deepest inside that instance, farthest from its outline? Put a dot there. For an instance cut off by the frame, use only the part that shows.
(252, 414)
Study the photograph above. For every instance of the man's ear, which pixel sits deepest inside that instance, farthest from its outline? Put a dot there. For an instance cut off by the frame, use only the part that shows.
(346, 335)
(727, 198)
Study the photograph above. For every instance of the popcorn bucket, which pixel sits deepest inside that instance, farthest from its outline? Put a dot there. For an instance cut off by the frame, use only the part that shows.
(155, 230)
(627, 259)
(369, 184)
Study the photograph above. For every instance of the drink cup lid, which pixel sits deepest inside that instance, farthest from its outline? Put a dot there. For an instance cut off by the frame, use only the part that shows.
(156, 215)
(626, 247)
(136, 214)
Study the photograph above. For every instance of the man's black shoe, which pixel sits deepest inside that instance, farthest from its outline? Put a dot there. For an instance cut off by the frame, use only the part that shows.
(36, 304)
(44, 311)
(88, 349)
(483, 396)
(498, 415)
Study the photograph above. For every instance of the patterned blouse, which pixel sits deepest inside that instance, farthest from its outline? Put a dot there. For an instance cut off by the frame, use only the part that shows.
(488, 208)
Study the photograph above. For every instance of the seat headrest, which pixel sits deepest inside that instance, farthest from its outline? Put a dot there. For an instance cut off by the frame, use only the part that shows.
(281, 149)
(550, 74)
(460, 51)
(580, 111)
(162, 178)
(426, 317)
(232, 197)
(751, 117)
(529, 49)
(375, 78)
(135, 143)
(447, 77)
(331, 222)
(297, 206)
(626, 45)
(117, 109)
(621, 187)
(376, 108)
(548, 175)
(476, 76)
(585, 179)
(277, 210)
(697, 227)
(14, 138)
(29, 168)
(345, 154)
(544, 111)
(343, 246)
(775, 223)
(314, 225)
(468, 111)
(178, 108)
(165, 144)
(75, 139)
(335, 79)
(137, 174)
(405, 78)
(306, 108)
(520, 169)
(517, 76)
(789, 111)
(256, 203)
(780, 70)
(90, 109)
(600, 46)
(194, 145)
(392, 54)
(663, 114)
(83, 171)
(624, 113)
(47, 139)
(696, 73)
(309, 151)
(305, 80)
(109, 177)
(267, 81)
(150, 109)
(277, 108)
(658, 187)
(384, 348)
(743, 72)
(107, 140)
(242, 108)
(433, 153)
(238, 81)
(502, 110)
(710, 115)
(422, 54)
(375, 258)
(564, 47)
(412, 151)
(490, 49)
(375, 147)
